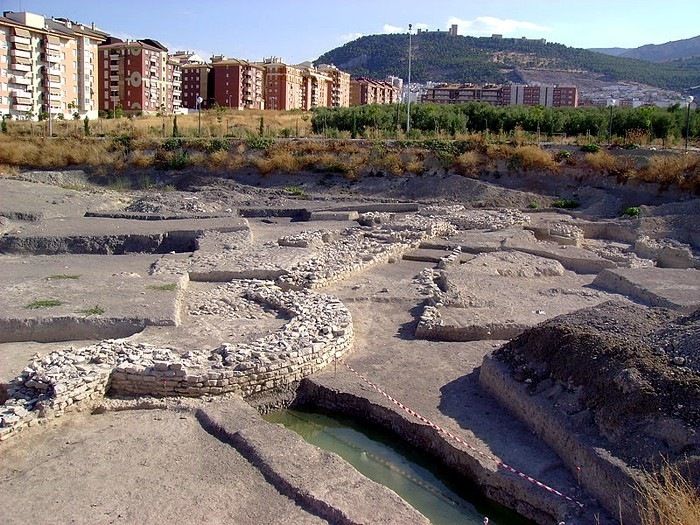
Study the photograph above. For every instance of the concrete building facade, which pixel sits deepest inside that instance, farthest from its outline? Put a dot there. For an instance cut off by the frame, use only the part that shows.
(237, 84)
(508, 95)
(137, 76)
(365, 91)
(283, 85)
(339, 93)
(47, 66)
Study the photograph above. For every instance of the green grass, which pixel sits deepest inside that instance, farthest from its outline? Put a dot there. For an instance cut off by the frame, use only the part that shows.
(295, 191)
(63, 277)
(95, 310)
(43, 303)
(170, 287)
(567, 204)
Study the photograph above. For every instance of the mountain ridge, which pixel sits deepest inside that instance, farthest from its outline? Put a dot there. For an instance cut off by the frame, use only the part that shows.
(666, 52)
(444, 58)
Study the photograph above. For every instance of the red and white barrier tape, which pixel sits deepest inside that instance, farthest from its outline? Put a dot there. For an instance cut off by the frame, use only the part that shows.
(459, 440)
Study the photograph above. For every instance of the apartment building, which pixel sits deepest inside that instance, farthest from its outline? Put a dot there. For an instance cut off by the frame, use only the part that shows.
(283, 85)
(316, 87)
(339, 94)
(47, 66)
(137, 76)
(197, 82)
(365, 91)
(238, 84)
(508, 95)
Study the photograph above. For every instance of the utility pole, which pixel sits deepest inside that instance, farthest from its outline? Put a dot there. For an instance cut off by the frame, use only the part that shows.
(408, 91)
(687, 123)
(199, 114)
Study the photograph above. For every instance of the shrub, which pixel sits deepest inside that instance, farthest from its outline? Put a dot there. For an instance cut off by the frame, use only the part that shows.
(632, 211)
(602, 161)
(259, 143)
(562, 155)
(468, 163)
(532, 157)
(682, 170)
(566, 204)
(43, 303)
(590, 148)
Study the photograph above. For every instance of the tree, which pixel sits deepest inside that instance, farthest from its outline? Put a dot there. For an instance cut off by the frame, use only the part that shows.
(261, 131)
(86, 126)
(4, 124)
(176, 131)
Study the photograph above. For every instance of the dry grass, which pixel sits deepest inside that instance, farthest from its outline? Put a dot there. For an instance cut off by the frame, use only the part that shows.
(668, 498)
(601, 161)
(681, 170)
(533, 157)
(468, 163)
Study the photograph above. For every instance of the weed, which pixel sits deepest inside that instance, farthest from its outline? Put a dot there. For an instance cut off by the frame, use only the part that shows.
(533, 205)
(632, 211)
(62, 276)
(255, 142)
(295, 191)
(43, 303)
(532, 157)
(467, 163)
(169, 287)
(566, 204)
(590, 148)
(95, 310)
(668, 498)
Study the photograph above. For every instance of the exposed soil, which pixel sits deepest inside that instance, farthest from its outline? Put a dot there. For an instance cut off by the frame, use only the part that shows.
(634, 371)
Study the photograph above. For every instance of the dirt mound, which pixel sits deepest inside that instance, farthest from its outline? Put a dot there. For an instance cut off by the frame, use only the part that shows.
(630, 373)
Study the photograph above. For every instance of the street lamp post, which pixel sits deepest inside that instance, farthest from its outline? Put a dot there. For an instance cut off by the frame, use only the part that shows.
(687, 123)
(199, 115)
(612, 103)
(408, 90)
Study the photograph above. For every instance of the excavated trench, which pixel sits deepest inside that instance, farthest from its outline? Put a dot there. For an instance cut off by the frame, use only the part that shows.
(435, 492)
(178, 242)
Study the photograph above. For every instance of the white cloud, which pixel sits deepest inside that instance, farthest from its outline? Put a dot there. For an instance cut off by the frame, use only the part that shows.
(487, 25)
(389, 28)
(349, 37)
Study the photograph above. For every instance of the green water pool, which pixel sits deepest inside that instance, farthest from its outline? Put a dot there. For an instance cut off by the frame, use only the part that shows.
(429, 489)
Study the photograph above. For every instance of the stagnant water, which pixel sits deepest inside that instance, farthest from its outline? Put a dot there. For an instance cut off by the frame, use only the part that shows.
(434, 493)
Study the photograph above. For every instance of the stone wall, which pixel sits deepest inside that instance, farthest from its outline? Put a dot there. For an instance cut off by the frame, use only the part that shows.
(320, 330)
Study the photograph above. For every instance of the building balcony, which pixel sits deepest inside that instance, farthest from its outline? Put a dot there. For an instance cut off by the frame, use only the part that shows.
(16, 39)
(21, 54)
(16, 79)
(21, 107)
(21, 67)
(19, 93)
(114, 67)
(52, 58)
(114, 78)
(53, 47)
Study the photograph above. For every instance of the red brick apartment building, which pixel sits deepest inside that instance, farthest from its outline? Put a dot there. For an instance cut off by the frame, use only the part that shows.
(369, 91)
(339, 92)
(196, 83)
(509, 95)
(283, 85)
(237, 84)
(137, 76)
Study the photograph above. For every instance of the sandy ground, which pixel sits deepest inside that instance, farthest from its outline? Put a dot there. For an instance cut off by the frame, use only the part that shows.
(136, 467)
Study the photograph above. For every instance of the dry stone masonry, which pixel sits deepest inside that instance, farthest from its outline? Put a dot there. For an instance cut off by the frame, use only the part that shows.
(319, 331)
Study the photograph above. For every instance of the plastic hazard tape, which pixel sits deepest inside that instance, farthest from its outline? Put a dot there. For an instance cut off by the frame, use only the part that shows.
(459, 440)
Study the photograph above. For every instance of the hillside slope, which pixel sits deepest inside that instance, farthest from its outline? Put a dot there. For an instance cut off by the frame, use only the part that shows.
(440, 57)
(679, 49)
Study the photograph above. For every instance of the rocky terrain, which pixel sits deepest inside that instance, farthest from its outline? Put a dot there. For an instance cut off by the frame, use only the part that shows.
(545, 355)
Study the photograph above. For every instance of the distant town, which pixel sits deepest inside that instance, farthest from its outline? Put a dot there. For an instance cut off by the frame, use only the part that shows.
(64, 69)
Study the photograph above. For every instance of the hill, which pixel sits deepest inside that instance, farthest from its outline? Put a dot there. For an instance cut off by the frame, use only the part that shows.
(679, 49)
(612, 51)
(444, 58)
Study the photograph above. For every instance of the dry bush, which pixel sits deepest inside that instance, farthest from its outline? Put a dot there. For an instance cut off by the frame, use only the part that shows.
(263, 165)
(533, 157)
(682, 170)
(668, 498)
(499, 151)
(415, 166)
(8, 171)
(468, 163)
(391, 162)
(601, 161)
(141, 159)
(284, 160)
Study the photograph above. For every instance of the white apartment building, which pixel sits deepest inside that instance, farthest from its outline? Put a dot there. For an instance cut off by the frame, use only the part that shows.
(47, 66)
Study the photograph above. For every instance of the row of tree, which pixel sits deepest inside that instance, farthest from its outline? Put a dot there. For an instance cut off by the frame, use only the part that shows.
(659, 123)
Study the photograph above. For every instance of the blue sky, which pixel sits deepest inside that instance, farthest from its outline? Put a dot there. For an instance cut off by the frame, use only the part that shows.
(300, 30)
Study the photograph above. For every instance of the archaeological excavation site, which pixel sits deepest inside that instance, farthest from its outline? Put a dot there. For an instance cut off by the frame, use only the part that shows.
(199, 346)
